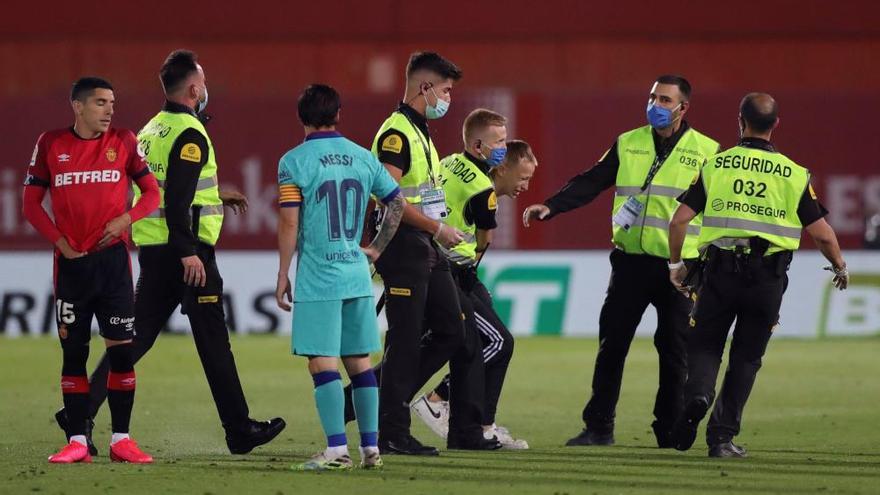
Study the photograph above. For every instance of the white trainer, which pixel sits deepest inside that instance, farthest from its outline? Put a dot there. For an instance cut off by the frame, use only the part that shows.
(370, 458)
(507, 441)
(433, 414)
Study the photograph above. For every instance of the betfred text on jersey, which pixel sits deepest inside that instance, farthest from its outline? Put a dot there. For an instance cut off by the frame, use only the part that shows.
(87, 177)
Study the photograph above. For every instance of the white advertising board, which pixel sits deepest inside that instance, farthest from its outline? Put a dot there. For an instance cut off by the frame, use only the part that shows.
(535, 292)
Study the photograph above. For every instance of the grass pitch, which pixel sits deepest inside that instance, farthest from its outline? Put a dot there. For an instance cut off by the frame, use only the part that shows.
(811, 427)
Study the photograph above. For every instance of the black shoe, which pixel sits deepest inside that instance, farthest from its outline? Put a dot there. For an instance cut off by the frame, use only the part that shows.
(61, 419)
(726, 449)
(477, 443)
(254, 434)
(406, 445)
(663, 434)
(684, 432)
(589, 437)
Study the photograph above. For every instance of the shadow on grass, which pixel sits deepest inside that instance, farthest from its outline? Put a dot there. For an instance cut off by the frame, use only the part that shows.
(657, 470)
(536, 479)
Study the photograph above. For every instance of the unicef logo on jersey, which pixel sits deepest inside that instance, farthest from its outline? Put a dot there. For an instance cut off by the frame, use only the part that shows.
(717, 204)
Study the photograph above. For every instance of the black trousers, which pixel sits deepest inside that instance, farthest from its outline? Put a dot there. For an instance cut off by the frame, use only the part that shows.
(420, 295)
(497, 350)
(160, 289)
(751, 296)
(463, 386)
(636, 282)
(466, 379)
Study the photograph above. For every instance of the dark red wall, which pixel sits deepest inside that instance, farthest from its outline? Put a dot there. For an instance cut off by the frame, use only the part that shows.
(577, 74)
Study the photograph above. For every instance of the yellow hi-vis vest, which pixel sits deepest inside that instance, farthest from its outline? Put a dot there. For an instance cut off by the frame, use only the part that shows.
(418, 177)
(650, 232)
(462, 180)
(156, 140)
(752, 193)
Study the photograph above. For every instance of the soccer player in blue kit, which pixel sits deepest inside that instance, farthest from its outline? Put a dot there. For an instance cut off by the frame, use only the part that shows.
(324, 185)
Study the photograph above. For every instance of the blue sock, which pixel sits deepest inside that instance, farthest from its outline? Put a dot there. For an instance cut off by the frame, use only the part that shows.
(365, 396)
(331, 406)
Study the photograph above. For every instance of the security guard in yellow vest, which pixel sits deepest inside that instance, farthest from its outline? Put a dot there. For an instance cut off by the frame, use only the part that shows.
(470, 207)
(470, 201)
(419, 290)
(176, 248)
(649, 167)
(754, 202)
(475, 177)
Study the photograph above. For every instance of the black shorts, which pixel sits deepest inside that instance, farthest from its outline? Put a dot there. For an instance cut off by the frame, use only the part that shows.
(98, 284)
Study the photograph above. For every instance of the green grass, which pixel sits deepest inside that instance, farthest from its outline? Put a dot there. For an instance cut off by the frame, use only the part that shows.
(811, 427)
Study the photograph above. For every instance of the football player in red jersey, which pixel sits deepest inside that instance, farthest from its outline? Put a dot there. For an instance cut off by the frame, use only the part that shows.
(87, 169)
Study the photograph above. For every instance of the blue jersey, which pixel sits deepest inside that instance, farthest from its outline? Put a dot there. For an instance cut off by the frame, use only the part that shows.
(331, 179)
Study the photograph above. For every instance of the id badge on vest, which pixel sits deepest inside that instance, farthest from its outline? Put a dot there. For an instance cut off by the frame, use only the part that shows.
(433, 203)
(627, 215)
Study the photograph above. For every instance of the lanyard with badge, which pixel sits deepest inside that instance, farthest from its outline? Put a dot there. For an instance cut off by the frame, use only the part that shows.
(632, 209)
(433, 203)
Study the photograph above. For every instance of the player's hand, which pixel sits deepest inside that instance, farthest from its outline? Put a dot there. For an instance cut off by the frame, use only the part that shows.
(114, 229)
(677, 276)
(194, 271)
(235, 200)
(841, 276)
(282, 289)
(67, 251)
(538, 211)
(448, 237)
(372, 254)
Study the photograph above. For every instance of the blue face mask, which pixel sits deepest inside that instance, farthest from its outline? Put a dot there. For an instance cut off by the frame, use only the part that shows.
(438, 110)
(659, 117)
(496, 156)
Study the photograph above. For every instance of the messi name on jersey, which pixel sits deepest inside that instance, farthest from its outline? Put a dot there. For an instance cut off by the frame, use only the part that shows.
(331, 159)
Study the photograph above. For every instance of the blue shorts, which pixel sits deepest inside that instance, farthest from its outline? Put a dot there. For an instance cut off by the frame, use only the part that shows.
(341, 327)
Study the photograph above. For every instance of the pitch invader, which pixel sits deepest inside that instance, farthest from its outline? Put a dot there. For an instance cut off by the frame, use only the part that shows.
(87, 169)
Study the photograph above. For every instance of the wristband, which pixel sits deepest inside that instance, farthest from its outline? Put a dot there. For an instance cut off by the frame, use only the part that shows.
(676, 266)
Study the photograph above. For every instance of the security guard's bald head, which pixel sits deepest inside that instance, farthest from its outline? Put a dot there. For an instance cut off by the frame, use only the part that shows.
(759, 112)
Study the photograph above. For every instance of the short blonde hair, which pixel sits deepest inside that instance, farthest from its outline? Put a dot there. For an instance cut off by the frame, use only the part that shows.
(517, 151)
(479, 119)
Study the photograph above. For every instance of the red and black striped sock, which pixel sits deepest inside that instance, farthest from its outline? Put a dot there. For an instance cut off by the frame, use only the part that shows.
(120, 386)
(75, 390)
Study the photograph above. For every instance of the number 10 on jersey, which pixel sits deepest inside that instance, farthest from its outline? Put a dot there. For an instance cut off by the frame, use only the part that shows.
(344, 207)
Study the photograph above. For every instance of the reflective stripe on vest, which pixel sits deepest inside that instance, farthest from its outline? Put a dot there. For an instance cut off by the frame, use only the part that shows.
(743, 224)
(753, 193)
(636, 155)
(662, 223)
(203, 212)
(417, 177)
(203, 184)
(653, 190)
(156, 140)
(462, 180)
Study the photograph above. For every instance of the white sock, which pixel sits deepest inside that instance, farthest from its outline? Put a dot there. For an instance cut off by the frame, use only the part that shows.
(365, 451)
(79, 439)
(336, 452)
(118, 437)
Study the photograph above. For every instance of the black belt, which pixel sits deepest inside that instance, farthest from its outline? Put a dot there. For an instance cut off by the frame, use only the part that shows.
(738, 261)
